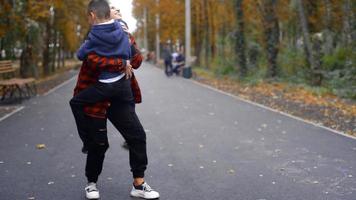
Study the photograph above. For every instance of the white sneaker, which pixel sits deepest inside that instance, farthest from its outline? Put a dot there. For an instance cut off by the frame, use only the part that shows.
(91, 191)
(145, 192)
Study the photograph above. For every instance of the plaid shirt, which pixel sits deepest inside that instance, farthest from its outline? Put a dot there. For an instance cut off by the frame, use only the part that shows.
(90, 70)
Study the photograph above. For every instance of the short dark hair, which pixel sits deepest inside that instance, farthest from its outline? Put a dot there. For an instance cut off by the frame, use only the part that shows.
(100, 7)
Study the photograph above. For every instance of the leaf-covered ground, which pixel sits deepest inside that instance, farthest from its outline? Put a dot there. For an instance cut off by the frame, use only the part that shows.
(328, 110)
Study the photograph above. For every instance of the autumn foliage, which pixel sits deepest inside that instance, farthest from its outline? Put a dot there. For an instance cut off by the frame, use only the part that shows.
(45, 31)
(303, 41)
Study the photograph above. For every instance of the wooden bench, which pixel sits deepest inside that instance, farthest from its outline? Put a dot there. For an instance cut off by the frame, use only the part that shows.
(9, 86)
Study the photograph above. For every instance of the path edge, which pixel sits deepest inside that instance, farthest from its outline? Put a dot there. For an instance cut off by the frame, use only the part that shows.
(12, 113)
(271, 109)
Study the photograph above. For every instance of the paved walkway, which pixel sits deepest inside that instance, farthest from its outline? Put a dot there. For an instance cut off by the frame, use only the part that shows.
(202, 145)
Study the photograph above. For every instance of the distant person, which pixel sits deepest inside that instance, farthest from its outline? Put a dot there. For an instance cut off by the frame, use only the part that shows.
(151, 57)
(167, 56)
(178, 62)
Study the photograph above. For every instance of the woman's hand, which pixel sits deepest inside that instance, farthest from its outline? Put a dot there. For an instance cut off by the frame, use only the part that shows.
(129, 70)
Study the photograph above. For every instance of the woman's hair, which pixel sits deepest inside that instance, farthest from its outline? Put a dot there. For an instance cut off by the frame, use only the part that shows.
(100, 7)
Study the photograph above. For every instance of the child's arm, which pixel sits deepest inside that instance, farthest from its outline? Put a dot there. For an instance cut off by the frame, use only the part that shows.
(83, 50)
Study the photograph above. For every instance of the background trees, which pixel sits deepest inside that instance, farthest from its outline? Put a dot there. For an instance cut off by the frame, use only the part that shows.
(42, 33)
(301, 41)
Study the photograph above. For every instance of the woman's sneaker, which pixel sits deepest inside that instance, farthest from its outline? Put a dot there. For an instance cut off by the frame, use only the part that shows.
(144, 191)
(91, 191)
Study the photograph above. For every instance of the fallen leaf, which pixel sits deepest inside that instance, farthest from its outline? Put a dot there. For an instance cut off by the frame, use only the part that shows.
(40, 146)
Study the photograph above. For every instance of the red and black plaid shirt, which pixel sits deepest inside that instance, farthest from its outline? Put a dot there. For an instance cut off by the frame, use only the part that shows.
(89, 74)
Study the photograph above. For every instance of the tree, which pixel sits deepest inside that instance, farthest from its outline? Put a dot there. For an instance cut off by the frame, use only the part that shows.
(270, 24)
(240, 38)
(48, 28)
(314, 63)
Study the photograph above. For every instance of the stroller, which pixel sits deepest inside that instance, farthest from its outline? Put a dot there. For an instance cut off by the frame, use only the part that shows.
(178, 63)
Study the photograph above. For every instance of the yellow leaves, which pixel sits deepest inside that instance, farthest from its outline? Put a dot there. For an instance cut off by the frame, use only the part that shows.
(40, 146)
(70, 37)
(38, 10)
(217, 14)
(282, 91)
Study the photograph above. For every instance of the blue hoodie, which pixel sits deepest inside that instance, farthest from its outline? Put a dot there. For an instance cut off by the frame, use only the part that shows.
(107, 40)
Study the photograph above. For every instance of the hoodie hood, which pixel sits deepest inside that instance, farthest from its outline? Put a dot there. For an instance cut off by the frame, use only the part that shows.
(107, 34)
(108, 40)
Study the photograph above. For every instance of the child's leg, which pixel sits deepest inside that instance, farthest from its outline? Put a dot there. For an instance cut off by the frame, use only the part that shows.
(91, 95)
(97, 146)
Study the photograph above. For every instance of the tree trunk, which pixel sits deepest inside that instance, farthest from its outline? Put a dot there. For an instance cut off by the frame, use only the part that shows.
(307, 42)
(349, 32)
(271, 34)
(206, 34)
(1, 49)
(329, 38)
(212, 32)
(54, 50)
(223, 42)
(240, 46)
(28, 64)
(59, 38)
(198, 33)
(62, 53)
(46, 51)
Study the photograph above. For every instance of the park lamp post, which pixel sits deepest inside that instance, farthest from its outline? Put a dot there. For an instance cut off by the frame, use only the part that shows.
(187, 70)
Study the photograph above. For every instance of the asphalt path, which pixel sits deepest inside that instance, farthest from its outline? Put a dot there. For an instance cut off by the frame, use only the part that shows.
(202, 145)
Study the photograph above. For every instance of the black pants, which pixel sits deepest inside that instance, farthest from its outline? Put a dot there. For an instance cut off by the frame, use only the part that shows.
(168, 67)
(122, 114)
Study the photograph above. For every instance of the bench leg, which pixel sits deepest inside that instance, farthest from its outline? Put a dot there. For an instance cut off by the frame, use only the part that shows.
(8, 90)
(12, 91)
(28, 90)
(22, 93)
(32, 91)
(5, 91)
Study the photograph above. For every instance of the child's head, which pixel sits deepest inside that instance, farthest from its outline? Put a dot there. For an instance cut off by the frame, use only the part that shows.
(98, 11)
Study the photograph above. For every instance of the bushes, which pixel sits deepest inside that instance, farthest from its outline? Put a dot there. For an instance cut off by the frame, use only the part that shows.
(340, 59)
(293, 66)
(339, 70)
